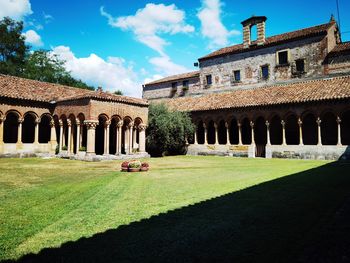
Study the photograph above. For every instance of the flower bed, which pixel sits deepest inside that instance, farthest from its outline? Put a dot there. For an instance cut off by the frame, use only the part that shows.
(134, 166)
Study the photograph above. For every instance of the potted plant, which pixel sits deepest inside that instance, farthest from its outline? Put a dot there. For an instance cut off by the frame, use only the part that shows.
(134, 166)
(144, 167)
(125, 166)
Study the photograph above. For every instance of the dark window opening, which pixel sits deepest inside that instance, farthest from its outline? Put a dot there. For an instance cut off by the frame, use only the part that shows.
(283, 57)
(265, 72)
(300, 65)
(208, 79)
(237, 75)
(185, 84)
(174, 85)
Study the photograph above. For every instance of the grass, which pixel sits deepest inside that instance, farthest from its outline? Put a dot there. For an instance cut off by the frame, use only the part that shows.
(185, 208)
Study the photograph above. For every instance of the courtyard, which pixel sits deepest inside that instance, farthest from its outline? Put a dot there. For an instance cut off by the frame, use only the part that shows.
(183, 209)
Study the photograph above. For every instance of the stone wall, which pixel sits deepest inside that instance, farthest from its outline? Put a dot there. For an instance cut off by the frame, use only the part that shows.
(312, 50)
(164, 90)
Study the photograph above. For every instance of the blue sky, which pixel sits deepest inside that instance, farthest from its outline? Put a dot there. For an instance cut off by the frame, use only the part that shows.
(122, 44)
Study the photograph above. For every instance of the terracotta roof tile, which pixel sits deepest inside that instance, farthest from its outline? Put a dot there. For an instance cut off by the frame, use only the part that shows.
(27, 89)
(340, 49)
(175, 78)
(306, 91)
(302, 33)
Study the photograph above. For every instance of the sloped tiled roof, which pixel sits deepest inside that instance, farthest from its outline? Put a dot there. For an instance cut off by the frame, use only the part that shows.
(294, 35)
(305, 91)
(27, 89)
(340, 49)
(175, 78)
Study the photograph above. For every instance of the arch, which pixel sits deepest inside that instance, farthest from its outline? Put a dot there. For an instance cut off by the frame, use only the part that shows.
(83, 130)
(222, 133)
(100, 137)
(45, 128)
(113, 135)
(260, 133)
(309, 129)
(35, 116)
(125, 134)
(11, 127)
(276, 130)
(17, 113)
(234, 137)
(292, 130)
(28, 127)
(138, 121)
(200, 132)
(116, 117)
(345, 127)
(329, 128)
(211, 132)
(246, 131)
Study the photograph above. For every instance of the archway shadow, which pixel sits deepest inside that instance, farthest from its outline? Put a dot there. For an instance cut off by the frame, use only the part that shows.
(302, 217)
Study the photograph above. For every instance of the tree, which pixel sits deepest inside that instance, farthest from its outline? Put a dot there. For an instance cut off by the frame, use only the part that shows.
(45, 66)
(118, 92)
(12, 47)
(167, 131)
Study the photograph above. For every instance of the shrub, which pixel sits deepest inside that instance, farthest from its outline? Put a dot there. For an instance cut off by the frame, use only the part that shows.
(82, 149)
(64, 148)
(167, 131)
(125, 164)
(135, 164)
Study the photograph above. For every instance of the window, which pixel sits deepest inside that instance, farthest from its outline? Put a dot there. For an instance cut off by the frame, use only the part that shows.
(265, 72)
(237, 75)
(185, 84)
(174, 85)
(283, 57)
(208, 79)
(300, 65)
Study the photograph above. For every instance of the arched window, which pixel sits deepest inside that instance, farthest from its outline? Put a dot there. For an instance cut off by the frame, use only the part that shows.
(11, 128)
(309, 129)
(292, 130)
(200, 133)
(222, 132)
(276, 131)
(246, 131)
(44, 129)
(329, 128)
(260, 134)
(234, 138)
(28, 128)
(211, 132)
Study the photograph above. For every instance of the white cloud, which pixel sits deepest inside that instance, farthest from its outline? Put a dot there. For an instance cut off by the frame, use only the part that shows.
(112, 74)
(33, 38)
(165, 66)
(150, 22)
(211, 24)
(47, 17)
(16, 9)
(152, 78)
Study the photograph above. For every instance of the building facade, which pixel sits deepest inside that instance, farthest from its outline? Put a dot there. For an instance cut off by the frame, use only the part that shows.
(38, 117)
(282, 96)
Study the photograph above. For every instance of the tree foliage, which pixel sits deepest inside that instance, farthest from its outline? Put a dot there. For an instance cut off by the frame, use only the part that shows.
(167, 131)
(42, 65)
(118, 92)
(12, 47)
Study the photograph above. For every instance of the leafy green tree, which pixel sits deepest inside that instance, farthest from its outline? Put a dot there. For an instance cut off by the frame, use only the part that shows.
(118, 92)
(12, 47)
(167, 131)
(45, 66)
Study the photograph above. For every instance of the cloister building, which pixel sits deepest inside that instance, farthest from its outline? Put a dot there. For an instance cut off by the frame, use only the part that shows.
(286, 95)
(38, 117)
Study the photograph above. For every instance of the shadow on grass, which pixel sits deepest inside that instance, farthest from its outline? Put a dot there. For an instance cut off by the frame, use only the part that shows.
(303, 217)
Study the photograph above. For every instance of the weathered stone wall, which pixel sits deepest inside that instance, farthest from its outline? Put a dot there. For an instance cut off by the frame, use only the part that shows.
(312, 50)
(164, 90)
(23, 107)
(339, 64)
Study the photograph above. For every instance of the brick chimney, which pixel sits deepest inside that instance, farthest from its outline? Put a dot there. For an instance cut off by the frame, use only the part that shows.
(99, 89)
(259, 21)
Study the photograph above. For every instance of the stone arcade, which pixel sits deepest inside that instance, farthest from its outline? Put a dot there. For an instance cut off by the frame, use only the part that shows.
(40, 118)
(282, 96)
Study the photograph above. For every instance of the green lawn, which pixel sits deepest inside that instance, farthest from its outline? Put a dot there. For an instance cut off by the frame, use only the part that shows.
(184, 209)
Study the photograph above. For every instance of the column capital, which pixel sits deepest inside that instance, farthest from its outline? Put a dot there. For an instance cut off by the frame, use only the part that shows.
(52, 123)
(338, 120)
(300, 122)
(69, 123)
(37, 121)
(77, 121)
(20, 120)
(60, 122)
(227, 125)
(2, 119)
(120, 124)
(142, 127)
(216, 125)
(318, 121)
(90, 124)
(107, 123)
(239, 124)
(204, 125)
(131, 124)
(267, 123)
(283, 123)
(251, 124)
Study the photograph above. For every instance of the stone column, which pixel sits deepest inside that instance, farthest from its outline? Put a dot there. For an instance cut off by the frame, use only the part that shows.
(227, 134)
(77, 121)
(339, 131)
(134, 137)
(53, 136)
(107, 133)
(268, 140)
(69, 123)
(239, 133)
(2, 119)
(300, 123)
(252, 126)
(19, 137)
(195, 135)
(131, 126)
(216, 134)
(205, 134)
(283, 132)
(142, 138)
(36, 132)
(119, 137)
(61, 135)
(91, 132)
(319, 137)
